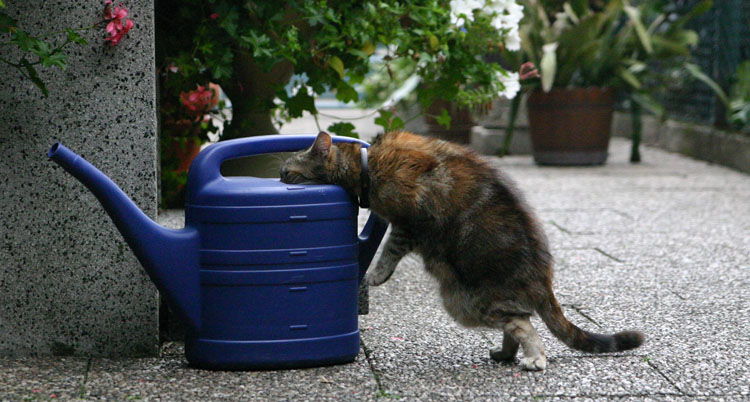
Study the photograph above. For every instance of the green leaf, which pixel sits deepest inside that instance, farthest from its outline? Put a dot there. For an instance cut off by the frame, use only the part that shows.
(7, 24)
(368, 48)
(664, 47)
(2, 4)
(434, 42)
(648, 103)
(55, 59)
(397, 123)
(384, 120)
(580, 7)
(444, 119)
(74, 37)
(571, 13)
(344, 129)
(338, 65)
(346, 93)
(34, 77)
(640, 30)
(697, 10)
(23, 41)
(301, 102)
(628, 77)
(698, 74)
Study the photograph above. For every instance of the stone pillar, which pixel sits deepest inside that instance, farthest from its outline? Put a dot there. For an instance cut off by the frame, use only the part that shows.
(68, 282)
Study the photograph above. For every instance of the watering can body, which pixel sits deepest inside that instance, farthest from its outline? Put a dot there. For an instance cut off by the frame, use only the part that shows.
(266, 274)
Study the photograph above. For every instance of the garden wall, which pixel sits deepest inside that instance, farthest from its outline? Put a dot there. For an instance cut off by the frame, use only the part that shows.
(68, 282)
(692, 139)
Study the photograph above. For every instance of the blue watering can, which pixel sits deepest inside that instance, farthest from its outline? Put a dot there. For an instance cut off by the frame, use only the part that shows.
(265, 274)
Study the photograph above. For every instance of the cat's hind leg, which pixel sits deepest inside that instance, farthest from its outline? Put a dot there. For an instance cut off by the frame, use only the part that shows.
(521, 330)
(399, 244)
(507, 352)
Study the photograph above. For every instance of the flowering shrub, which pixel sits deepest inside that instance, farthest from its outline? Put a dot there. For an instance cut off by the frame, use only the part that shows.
(38, 50)
(199, 100)
(330, 44)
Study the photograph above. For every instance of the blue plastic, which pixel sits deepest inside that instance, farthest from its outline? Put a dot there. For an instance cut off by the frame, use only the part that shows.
(266, 274)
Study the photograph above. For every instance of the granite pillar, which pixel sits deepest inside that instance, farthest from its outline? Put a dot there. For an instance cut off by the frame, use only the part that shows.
(68, 282)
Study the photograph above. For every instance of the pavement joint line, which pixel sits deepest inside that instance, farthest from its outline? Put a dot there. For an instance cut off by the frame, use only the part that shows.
(623, 214)
(669, 380)
(578, 310)
(645, 395)
(368, 358)
(566, 231)
(604, 253)
(676, 294)
(86, 377)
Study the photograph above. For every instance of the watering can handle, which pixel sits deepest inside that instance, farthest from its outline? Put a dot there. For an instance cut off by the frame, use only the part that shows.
(206, 167)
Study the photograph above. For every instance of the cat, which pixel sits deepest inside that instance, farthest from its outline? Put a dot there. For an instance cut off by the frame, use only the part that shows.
(475, 233)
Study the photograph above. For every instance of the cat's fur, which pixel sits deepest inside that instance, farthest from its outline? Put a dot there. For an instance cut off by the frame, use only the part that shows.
(473, 229)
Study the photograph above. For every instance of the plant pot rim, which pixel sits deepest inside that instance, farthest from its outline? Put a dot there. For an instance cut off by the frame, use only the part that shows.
(567, 97)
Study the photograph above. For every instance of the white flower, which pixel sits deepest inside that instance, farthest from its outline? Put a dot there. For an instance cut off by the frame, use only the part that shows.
(464, 7)
(508, 15)
(511, 86)
(513, 41)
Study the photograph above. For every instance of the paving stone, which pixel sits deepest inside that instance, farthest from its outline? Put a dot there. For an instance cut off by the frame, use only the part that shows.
(32, 378)
(726, 376)
(172, 379)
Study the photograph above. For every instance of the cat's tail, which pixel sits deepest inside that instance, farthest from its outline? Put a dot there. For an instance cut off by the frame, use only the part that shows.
(551, 313)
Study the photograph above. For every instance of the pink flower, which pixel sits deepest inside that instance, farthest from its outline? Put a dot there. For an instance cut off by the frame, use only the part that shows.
(199, 100)
(116, 35)
(528, 70)
(117, 14)
(214, 16)
(118, 25)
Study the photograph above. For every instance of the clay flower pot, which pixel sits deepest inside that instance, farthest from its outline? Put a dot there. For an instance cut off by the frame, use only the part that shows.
(461, 122)
(571, 126)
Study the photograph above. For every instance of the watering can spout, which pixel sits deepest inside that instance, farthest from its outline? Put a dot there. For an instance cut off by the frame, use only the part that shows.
(170, 257)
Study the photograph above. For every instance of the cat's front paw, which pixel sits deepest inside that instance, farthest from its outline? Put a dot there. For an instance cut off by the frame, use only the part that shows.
(536, 363)
(376, 277)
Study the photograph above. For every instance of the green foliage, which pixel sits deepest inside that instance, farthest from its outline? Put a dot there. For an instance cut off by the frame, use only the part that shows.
(614, 45)
(331, 44)
(344, 129)
(389, 121)
(37, 50)
(739, 98)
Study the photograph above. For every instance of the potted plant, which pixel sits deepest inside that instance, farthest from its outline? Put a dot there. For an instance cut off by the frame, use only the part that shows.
(251, 49)
(185, 126)
(588, 50)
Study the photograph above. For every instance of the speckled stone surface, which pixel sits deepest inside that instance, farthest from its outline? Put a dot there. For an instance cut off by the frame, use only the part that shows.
(68, 282)
(661, 247)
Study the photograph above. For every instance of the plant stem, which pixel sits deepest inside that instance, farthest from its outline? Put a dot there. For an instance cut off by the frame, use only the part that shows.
(635, 114)
(514, 106)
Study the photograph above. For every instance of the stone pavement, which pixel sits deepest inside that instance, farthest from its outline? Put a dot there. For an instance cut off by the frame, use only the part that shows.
(662, 247)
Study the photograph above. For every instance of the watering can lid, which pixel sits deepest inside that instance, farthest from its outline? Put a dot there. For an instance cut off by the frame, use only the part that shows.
(255, 191)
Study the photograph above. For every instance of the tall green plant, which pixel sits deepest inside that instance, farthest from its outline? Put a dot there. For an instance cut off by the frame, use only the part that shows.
(618, 44)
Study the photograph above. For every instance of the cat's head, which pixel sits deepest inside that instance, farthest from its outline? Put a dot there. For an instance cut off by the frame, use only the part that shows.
(309, 166)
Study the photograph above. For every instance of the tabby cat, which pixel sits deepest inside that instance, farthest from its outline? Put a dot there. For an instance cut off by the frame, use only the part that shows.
(474, 231)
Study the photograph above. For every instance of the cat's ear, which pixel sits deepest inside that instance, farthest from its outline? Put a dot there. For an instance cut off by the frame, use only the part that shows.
(322, 145)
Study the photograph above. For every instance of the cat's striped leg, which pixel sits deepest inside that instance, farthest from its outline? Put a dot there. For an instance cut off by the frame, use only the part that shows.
(519, 327)
(506, 353)
(398, 245)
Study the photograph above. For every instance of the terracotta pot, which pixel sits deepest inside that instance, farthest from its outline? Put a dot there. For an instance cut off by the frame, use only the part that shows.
(461, 122)
(184, 152)
(571, 126)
